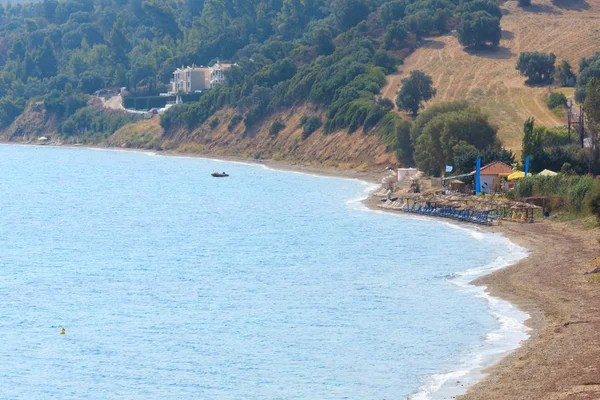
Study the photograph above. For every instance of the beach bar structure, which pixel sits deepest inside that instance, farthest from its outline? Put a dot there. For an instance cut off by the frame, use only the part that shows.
(461, 207)
(491, 176)
(404, 173)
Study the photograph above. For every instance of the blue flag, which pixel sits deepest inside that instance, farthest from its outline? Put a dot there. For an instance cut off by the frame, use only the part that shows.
(477, 177)
(448, 168)
(526, 165)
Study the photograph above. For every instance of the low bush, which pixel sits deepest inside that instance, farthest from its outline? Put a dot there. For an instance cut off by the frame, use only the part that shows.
(310, 125)
(556, 99)
(235, 120)
(572, 193)
(276, 127)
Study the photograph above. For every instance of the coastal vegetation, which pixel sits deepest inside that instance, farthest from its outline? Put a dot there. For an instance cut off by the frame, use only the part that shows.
(575, 195)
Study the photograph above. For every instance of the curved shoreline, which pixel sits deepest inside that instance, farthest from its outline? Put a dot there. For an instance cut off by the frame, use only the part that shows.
(561, 359)
(471, 369)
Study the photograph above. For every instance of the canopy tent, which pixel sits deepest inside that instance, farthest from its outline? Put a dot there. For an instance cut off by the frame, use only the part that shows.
(517, 175)
(547, 172)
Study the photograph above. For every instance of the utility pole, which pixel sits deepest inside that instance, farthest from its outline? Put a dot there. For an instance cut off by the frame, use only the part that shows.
(581, 130)
(569, 118)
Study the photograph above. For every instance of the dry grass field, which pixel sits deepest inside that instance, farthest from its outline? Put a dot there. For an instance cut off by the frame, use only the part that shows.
(570, 29)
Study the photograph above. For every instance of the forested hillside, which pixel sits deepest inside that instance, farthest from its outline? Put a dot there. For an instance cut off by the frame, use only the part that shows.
(328, 58)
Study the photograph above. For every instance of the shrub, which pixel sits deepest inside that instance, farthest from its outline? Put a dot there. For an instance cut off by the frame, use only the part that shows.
(235, 120)
(310, 125)
(592, 202)
(213, 123)
(556, 99)
(574, 193)
(524, 3)
(276, 127)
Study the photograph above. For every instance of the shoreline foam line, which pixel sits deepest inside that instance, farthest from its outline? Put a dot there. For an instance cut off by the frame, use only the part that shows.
(496, 344)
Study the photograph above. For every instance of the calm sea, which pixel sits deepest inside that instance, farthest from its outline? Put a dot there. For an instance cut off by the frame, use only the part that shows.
(264, 285)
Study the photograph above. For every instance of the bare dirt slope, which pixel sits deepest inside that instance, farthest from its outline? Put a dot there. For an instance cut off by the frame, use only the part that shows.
(339, 149)
(570, 29)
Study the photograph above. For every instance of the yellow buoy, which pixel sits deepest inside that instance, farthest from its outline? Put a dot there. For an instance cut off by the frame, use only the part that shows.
(63, 331)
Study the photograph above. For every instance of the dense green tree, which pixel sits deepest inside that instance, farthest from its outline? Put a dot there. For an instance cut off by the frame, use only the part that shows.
(415, 90)
(89, 82)
(49, 9)
(163, 18)
(488, 6)
(465, 157)
(46, 61)
(395, 35)
(321, 37)
(291, 18)
(18, 49)
(348, 13)
(392, 11)
(588, 68)
(564, 74)
(386, 60)
(479, 29)
(537, 67)
(435, 146)
(119, 44)
(532, 140)
(592, 116)
(431, 112)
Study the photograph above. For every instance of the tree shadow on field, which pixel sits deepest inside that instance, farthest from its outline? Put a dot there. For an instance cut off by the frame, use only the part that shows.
(574, 5)
(507, 35)
(432, 44)
(542, 9)
(493, 53)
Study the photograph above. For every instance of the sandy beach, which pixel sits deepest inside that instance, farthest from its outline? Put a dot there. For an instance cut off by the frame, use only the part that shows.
(561, 360)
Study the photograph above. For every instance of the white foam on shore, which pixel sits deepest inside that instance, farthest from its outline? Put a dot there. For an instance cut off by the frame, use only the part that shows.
(357, 203)
(496, 344)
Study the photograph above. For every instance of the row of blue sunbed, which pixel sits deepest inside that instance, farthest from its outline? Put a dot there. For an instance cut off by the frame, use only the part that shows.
(466, 215)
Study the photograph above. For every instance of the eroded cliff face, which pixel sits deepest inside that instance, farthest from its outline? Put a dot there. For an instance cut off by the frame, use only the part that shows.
(33, 123)
(339, 149)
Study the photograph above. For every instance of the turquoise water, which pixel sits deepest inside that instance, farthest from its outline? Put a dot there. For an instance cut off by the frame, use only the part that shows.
(265, 285)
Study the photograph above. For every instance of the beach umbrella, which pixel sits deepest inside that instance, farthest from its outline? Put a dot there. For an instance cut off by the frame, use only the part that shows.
(547, 172)
(517, 175)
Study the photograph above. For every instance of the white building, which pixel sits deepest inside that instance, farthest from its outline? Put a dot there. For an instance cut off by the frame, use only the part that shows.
(195, 79)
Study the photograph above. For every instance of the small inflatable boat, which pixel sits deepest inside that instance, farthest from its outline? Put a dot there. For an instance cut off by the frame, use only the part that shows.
(219, 174)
